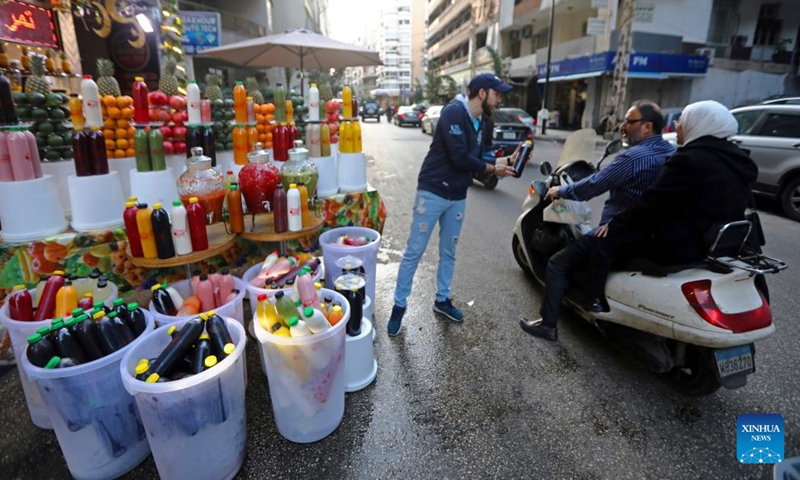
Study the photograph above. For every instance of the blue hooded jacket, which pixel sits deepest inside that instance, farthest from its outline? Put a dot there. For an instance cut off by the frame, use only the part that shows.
(455, 153)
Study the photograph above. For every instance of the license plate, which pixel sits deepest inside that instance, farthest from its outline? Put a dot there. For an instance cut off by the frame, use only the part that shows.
(509, 136)
(734, 360)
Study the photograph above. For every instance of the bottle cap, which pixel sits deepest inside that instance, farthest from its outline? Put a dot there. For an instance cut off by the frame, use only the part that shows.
(130, 205)
(142, 367)
(112, 315)
(317, 286)
(203, 316)
(83, 317)
(293, 321)
(156, 206)
(87, 77)
(133, 306)
(118, 302)
(210, 361)
(155, 287)
(193, 200)
(262, 297)
(77, 311)
(279, 295)
(98, 315)
(177, 203)
(59, 272)
(308, 311)
(292, 185)
(204, 336)
(233, 186)
(153, 378)
(139, 79)
(133, 198)
(229, 348)
(19, 287)
(94, 129)
(211, 313)
(298, 303)
(229, 172)
(203, 277)
(97, 304)
(238, 82)
(53, 363)
(301, 184)
(43, 331)
(337, 308)
(34, 338)
(313, 85)
(192, 81)
(87, 295)
(171, 330)
(249, 99)
(56, 324)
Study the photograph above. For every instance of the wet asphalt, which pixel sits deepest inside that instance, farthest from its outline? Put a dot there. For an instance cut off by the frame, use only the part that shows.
(483, 399)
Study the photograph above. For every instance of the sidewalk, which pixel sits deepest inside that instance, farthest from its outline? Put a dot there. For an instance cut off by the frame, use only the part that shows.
(560, 136)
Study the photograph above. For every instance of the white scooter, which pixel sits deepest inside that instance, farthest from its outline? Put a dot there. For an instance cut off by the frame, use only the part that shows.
(694, 325)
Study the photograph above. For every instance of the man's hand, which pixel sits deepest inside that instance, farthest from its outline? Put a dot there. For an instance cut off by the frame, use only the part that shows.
(502, 170)
(513, 158)
(552, 194)
(602, 231)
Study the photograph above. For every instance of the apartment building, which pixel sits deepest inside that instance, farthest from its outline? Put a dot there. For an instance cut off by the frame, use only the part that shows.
(394, 76)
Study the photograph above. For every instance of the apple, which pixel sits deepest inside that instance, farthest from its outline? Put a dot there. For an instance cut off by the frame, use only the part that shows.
(177, 118)
(166, 131)
(179, 147)
(169, 148)
(331, 106)
(177, 102)
(335, 138)
(154, 115)
(163, 115)
(179, 132)
(184, 116)
(157, 98)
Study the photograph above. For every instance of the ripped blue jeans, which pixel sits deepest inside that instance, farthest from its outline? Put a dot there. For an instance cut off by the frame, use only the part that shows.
(429, 209)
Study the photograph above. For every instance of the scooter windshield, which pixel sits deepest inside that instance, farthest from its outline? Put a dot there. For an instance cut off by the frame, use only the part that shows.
(580, 145)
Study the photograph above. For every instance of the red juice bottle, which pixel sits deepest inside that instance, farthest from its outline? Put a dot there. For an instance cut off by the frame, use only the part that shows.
(47, 303)
(279, 213)
(20, 305)
(280, 143)
(82, 153)
(132, 229)
(97, 148)
(141, 105)
(196, 216)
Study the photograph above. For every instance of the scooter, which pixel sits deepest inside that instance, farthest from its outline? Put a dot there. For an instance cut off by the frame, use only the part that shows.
(693, 325)
(490, 155)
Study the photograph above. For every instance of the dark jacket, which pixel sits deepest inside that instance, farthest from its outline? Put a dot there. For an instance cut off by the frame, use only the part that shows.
(454, 154)
(706, 182)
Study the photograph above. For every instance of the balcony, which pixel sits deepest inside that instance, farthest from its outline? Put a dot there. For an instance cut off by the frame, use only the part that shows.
(448, 16)
(573, 48)
(451, 41)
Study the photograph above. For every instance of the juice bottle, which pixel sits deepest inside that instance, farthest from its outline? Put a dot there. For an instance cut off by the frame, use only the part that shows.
(66, 299)
(279, 98)
(180, 229)
(67, 345)
(240, 103)
(162, 233)
(20, 152)
(102, 292)
(315, 320)
(76, 112)
(82, 154)
(40, 350)
(162, 302)
(221, 342)
(136, 320)
(190, 307)
(236, 216)
(205, 292)
(279, 213)
(252, 138)
(298, 328)
(324, 140)
(36, 162)
(196, 218)
(305, 286)
(144, 222)
(522, 158)
(141, 104)
(7, 110)
(313, 103)
(226, 285)
(356, 312)
(357, 148)
(208, 142)
(231, 297)
(280, 142)
(214, 277)
(347, 103)
(20, 305)
(47, 300)
(85, 302)
(285, 307)
(346, 137)
(86, 333)
(336, 315)
(266, 314)
(6, 172)
(97, 149)
(202, 350)
(304, 212)
(251, 111)
(120, 309)
(294, 133)
(314, 147)
(293, 209)
(91, 102)
(108, 337)
(156, 141)
(181, 344)
(176, 297)
(194, 138)
(193, 103)
(239, 145)
(205, 112)
(123, 331)
(141, 144)
(132, 229)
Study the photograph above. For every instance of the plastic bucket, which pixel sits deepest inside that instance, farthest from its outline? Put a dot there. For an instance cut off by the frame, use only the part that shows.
(196, 426)
(233, 309)
(306, 379)
(95, 419)
(19, 333)
(254, 292)
(40, 215)
(368, 254)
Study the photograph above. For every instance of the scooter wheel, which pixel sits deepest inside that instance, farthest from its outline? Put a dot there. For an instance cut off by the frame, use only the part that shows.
(697, 376)
(490, 182)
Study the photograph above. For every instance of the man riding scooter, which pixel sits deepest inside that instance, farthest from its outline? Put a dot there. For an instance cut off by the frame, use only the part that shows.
(626, 178)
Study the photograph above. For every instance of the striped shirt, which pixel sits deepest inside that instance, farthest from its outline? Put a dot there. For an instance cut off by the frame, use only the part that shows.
(626, 178)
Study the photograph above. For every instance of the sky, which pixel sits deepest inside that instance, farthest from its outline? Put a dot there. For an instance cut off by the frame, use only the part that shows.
(346, 17)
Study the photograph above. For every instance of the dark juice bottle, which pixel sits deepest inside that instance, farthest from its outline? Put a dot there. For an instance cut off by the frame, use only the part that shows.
(7, 111)
(162, 231)
(136, 319)
(121, 310)
(196, 217)
(132, 229)
(20, 304)
(209, 144)
(180, 345)
(279, 213)
(47, 302)
(194, 138)
(356, 312)
(108, 336)
(82, 154)
(141, 104)
(67, 344)
(40, 350)
(201, 350)
(162, 301)
(123, 331)
(86, 331)
(97, 149)
(522, 159)
(235, 214)
(221, 343)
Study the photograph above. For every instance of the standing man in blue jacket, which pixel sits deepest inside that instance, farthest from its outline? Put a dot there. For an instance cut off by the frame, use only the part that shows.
(446, 173)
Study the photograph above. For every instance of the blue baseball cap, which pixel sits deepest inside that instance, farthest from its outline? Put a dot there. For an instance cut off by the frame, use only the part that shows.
(488, 80)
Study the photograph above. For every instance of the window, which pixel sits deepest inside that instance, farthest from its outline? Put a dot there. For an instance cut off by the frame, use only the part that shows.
(404, 22)
(781, 125)
(746, 120)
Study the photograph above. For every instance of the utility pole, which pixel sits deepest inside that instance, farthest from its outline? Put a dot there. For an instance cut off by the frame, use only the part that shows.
(547, 67)
(616, 101)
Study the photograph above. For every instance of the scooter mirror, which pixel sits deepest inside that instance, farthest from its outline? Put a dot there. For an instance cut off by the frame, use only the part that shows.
(613, 147)
(546, 168)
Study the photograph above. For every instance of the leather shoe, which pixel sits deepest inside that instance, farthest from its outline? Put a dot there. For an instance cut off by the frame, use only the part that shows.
(537, 329)
(596, 306)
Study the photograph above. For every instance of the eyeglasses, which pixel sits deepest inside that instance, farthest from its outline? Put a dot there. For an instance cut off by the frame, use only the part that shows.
(630, 121)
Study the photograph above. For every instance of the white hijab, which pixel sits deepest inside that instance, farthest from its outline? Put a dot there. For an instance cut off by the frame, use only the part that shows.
(708, 117)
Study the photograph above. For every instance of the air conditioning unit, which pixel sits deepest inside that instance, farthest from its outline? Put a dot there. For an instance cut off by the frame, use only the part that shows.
(527, 31)
(514, 34)
(708, 52)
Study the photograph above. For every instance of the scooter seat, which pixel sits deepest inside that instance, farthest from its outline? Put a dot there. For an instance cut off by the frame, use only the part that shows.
(652, 269)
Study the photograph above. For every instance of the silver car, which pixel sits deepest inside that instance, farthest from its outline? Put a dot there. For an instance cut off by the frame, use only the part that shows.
(431, 118)
(772, 135)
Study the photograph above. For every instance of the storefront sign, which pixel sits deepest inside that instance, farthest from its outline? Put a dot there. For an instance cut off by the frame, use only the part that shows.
(201, 31)
(639, 63)
(596, 26)
(22, 22)
(644, 11)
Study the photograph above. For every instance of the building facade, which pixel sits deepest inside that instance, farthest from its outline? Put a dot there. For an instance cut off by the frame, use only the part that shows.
(394, 78)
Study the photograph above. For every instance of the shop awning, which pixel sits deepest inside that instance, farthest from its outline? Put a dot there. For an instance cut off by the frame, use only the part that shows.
(577, 76)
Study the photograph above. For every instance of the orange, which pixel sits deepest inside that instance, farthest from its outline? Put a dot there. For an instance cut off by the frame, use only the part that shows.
(270, 107)
(110, 153)
(128, 100)
(110, 144)
(122, 143)
(122, 133)
(109, 123)
(270, 117)
(269, 137)
(131, 130)
(103, 111)
(261, 118)
(130, 152)
(267, 144)
(126, 112)
(114, 112)
(119, 153)
(262, 138)
(260, 128)
(109, 101)
(108, 133)
(122, 123)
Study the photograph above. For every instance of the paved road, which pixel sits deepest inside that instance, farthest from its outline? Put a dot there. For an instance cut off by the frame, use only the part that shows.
(483, 399)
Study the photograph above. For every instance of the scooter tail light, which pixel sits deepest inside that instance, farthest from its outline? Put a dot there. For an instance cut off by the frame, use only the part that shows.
(698, 294)
(532, 190)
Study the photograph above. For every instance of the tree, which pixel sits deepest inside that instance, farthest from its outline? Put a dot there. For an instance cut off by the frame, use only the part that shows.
(418, 96)
(498, 67)
(435, 81)
(334, 76)
(452, 86)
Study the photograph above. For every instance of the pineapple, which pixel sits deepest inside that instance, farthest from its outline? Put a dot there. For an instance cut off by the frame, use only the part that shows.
(35, 83)
(168, 83)
(252, 89)
(213, 92)
(325, 92)
(106, 83)
(49, 64)
(3, 56)
(66, 67)
(26, 59)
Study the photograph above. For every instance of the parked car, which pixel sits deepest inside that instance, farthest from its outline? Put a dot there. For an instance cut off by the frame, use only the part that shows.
(407, 116)
(371, 110)
(671, 116)
(509, 131)
(521, 115)
(781, 101)
(431, 118)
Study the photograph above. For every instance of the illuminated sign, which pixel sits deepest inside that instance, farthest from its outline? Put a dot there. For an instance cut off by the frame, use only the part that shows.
(25, 23)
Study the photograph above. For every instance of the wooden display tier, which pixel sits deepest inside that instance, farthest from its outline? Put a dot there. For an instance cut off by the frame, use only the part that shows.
(264, 230)
(218, 241)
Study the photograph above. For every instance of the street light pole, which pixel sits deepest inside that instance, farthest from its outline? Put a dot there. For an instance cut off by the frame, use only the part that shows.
(547, 67)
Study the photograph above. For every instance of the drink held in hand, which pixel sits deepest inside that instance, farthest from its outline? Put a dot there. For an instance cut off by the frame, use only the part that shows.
(522, 160)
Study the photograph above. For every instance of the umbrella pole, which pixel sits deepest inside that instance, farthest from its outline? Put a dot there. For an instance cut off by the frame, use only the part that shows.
(302, 74)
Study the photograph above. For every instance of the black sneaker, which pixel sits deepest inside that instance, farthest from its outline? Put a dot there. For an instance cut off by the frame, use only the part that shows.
(447, 309)
(537, 329)
(396, 320)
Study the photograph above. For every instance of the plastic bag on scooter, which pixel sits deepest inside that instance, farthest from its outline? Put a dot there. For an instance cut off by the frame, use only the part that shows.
(569, 212)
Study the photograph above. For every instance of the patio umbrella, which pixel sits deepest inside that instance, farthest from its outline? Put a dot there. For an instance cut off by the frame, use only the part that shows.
(297, 49)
